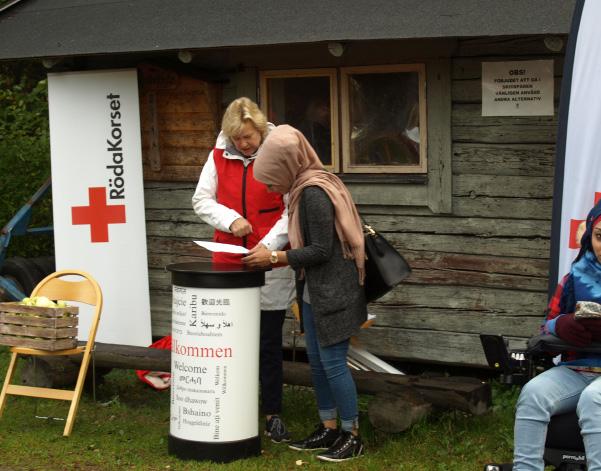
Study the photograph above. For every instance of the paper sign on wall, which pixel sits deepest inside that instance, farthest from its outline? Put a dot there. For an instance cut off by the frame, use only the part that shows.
(517, 88)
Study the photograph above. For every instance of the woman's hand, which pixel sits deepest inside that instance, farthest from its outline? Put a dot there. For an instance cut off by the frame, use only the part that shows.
(258, 257)
(241, 227)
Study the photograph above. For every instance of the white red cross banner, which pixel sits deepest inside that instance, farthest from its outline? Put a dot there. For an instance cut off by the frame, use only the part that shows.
(578, 164)
(98, 195)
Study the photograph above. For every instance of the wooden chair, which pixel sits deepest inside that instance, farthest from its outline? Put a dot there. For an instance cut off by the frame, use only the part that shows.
(53, 287)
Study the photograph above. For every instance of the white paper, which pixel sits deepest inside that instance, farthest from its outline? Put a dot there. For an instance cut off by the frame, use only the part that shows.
(218, 247)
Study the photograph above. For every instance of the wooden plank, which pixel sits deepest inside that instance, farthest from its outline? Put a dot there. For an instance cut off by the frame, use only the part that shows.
(8, 318)
(174, 173)
(51, 333)
(174, 246)
(154, 151)
(180, 121)
(394, 210)
(439, 143)
(183, 101)
(160, 303)
(470, 126)
(466, 68)
(465, 278)
(46, 393)
(24, 310)
(497, 301)
(455, 321)
(193, 156)
(519, 46)
(159, 279)
(470, 91)
(524, 208)
(484, 227)
(504, 159)
(160, 261)
(480, 263)
(388, 194)
(197, 139)
(427, 345)
(193, 231)
(129, 357)
(168, 195)
(500, 246)
(173, 215)
(39, 344)
(514, 186)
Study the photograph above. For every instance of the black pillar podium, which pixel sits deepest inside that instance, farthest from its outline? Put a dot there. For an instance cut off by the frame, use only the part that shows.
(215, 361)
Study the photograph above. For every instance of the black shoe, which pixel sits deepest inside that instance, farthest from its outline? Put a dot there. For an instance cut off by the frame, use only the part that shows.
(276, 430)
(321, 439)
(348, 446)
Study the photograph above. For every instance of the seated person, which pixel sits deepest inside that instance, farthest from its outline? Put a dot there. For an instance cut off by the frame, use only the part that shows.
(574, 384)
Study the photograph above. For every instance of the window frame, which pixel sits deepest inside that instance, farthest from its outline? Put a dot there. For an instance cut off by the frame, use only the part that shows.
(434, 192)
(332, 75)
(345, 73)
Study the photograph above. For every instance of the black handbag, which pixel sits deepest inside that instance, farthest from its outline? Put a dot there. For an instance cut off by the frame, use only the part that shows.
(384, 266)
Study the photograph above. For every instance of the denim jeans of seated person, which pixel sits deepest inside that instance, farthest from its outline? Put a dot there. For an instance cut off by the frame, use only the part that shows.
(557, 391)
(334, 386)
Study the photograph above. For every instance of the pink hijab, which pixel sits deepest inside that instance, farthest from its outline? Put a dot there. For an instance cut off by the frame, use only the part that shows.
(287, 159)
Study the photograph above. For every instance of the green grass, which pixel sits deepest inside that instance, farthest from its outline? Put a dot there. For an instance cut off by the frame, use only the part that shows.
(128, 425)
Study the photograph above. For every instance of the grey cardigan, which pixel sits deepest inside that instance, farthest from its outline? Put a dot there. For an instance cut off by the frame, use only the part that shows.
(337, 299)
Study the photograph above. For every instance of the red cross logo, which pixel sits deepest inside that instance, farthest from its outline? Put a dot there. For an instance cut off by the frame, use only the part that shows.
(573, 241)
(98, 214)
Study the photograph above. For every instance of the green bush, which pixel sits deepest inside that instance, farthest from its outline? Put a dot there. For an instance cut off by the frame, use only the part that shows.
(24, 155)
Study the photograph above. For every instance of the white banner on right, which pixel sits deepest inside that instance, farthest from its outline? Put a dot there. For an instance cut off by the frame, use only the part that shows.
(578, 164)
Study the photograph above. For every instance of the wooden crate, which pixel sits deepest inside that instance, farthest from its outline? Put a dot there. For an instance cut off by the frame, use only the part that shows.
(44, 328)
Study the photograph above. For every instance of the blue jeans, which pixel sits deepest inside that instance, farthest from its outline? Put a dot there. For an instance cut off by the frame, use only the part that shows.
(557, 391)
(334, 386)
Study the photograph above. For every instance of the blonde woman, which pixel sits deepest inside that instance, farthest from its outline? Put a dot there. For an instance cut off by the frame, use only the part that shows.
(243, 212)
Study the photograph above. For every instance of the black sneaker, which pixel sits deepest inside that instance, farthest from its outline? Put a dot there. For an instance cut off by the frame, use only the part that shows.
(276, 430)
(348, 446)
(321, 439)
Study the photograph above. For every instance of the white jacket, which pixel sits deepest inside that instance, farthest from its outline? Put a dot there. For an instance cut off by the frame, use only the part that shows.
(279, 290)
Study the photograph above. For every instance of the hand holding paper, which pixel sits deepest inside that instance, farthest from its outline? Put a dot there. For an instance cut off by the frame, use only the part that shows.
(218, 247)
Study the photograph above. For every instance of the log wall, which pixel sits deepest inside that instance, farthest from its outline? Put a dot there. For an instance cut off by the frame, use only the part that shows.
(483, 268)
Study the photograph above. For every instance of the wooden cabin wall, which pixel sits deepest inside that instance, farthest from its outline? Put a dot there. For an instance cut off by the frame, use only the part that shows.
(483, 268)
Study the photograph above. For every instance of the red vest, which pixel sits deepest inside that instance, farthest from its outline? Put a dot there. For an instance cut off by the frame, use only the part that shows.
(238, 190)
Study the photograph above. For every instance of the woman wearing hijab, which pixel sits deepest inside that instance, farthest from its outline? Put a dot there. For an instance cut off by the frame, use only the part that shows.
(327, 252)
(575, 383)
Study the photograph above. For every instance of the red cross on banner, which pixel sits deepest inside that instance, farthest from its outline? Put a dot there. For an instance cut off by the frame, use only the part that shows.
(98, 214)
(574, 242)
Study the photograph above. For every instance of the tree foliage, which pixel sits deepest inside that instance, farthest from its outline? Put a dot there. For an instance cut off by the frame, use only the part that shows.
(24, 151)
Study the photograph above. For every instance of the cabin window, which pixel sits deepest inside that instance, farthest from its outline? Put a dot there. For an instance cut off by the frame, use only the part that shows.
(382, 115)
(307, 100)
(383, 119)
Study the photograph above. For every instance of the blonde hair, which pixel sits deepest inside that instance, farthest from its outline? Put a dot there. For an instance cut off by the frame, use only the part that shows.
(239, 112)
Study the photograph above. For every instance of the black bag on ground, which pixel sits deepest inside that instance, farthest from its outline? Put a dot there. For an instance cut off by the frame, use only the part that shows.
(384, 267)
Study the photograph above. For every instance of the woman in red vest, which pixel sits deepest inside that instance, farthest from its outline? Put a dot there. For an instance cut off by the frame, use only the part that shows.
(244, 213)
